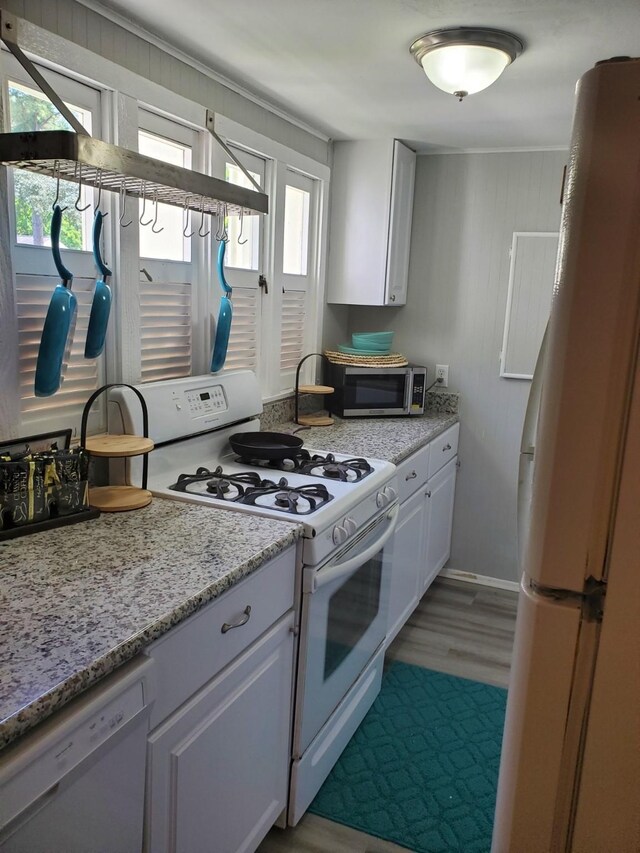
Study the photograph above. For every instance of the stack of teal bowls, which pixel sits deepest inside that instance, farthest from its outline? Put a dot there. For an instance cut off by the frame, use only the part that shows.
(369, 343)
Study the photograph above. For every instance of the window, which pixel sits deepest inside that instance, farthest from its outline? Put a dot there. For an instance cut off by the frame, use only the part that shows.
(161, 324)
(296, 278)
(30, 206)
(166, 280)
(243, 265)
(276, 324)
(29, 109)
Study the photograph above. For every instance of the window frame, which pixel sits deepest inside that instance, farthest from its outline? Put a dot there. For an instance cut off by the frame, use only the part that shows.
(124, 93)
(283, 162)
(35, 261)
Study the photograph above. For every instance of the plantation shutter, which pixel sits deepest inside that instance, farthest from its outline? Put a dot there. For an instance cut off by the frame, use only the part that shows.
(82, 377)
(293, 329)
(242, 352)
(296, 276)
(165, 329)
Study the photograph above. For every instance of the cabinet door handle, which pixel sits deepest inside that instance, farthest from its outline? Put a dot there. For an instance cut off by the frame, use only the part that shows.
(446, 447)
(427, 494)
(392, 298)
(411, 476)
(242, 621)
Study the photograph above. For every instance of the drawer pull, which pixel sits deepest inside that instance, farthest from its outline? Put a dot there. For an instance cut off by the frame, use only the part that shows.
(411, 476)
(243, 621)
(427, 494)
(446, 447)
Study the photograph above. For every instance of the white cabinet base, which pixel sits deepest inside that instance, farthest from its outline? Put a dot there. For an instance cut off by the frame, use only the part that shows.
(422, 541)
(218, 767)
(440, 496)
(407, 563)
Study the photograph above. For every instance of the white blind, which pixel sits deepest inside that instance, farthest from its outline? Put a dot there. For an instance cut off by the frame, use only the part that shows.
(33, 294)
(165, 320)
(243, 340)
(293, 320)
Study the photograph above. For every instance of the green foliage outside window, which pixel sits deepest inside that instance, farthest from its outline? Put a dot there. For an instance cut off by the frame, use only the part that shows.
(34, 194)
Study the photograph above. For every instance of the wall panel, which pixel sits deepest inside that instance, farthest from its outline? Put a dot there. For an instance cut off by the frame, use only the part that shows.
(466, 208)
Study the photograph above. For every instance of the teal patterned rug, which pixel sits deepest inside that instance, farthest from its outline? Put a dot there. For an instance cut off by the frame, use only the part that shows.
(422, 769)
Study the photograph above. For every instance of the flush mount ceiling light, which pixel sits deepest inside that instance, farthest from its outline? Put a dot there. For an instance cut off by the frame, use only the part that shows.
(465, 60)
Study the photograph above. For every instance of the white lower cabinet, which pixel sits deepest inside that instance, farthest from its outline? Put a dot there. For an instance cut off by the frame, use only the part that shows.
(218, 767)
(408, 550)
(422, 541)
(440, 495)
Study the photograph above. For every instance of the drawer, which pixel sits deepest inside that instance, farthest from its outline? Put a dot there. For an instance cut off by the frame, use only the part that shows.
(193, 652)
(413, 472)
(443, 448)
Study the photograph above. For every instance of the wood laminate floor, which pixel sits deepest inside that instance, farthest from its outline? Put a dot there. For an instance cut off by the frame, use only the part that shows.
(459, 628)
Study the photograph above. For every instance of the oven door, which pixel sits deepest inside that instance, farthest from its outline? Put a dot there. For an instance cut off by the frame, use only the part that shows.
(370, 392)
(344, 621)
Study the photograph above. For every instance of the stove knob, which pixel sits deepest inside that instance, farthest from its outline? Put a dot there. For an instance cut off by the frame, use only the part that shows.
(350, 525)
(381, 500)
(390, 492)
(340, 535)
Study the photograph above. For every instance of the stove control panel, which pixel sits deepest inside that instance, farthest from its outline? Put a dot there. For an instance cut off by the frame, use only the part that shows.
(205, 401)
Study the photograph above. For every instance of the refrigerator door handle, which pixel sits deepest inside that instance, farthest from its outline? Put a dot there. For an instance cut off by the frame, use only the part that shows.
(527, 451)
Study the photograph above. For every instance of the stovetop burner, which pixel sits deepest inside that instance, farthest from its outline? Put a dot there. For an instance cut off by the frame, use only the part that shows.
(249, 488)
(297, 500)
(347, 470)
(316, 465)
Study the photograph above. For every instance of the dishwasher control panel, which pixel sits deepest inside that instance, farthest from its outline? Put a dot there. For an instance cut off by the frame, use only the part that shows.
(46, 755)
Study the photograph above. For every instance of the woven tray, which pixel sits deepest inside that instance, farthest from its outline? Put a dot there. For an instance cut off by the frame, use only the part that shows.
(392, 359)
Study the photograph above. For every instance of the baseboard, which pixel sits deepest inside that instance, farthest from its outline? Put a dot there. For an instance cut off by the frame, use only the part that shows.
(482, 580)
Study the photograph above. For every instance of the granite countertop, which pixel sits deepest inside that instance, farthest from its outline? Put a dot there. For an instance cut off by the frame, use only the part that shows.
(78, 601)
(392, 439)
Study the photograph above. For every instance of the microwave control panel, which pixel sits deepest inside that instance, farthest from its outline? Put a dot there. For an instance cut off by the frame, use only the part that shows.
(418, 393)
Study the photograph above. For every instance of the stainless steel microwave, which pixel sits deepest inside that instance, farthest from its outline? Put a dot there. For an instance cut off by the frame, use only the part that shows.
(376, 391)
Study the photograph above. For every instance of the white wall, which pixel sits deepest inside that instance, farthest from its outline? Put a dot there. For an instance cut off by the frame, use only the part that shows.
(465, 210)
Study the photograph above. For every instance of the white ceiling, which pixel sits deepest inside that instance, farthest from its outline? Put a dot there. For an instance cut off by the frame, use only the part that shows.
(344, 67)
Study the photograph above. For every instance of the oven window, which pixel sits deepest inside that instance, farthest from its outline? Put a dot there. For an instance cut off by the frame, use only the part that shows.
(375, 392)
(352, 608)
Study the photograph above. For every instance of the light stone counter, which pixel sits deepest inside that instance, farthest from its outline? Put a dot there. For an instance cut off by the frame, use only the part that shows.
(392, 439)
(78, 601)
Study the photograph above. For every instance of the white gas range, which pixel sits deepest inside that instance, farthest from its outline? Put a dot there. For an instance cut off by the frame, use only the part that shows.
(348, 510)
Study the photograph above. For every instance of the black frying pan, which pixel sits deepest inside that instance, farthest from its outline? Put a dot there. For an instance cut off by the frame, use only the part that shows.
(265, 445)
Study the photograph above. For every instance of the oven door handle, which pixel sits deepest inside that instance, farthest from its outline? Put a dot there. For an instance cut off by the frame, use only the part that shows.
(333, 573)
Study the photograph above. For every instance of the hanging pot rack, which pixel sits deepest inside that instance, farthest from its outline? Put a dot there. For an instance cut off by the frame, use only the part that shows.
(76, 156)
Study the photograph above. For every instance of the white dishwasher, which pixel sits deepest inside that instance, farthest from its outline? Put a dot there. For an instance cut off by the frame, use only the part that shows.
(76, 783)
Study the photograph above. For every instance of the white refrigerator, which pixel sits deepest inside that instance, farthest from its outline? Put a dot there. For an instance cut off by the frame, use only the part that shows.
(570, 767)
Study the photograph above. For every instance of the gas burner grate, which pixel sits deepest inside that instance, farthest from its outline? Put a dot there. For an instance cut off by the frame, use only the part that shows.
(220, 485)
(346, 470)
(296, 500)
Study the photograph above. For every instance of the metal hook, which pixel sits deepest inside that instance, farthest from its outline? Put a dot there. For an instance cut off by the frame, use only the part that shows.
(225, 216)
(78, 171)
(155, 218)
(123, 206)
(100, 192)
(56, 175)
(246, 239)
(206, 234)
(144, 205)
(219, 223)
(185, 219)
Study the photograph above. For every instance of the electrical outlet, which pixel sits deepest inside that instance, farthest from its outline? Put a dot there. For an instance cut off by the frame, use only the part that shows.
(442, 375)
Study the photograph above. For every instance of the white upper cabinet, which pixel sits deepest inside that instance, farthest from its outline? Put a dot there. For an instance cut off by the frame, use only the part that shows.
(370, 227)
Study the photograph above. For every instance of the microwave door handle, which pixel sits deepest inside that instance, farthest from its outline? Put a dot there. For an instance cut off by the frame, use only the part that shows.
(333, 573)
(408, 390)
